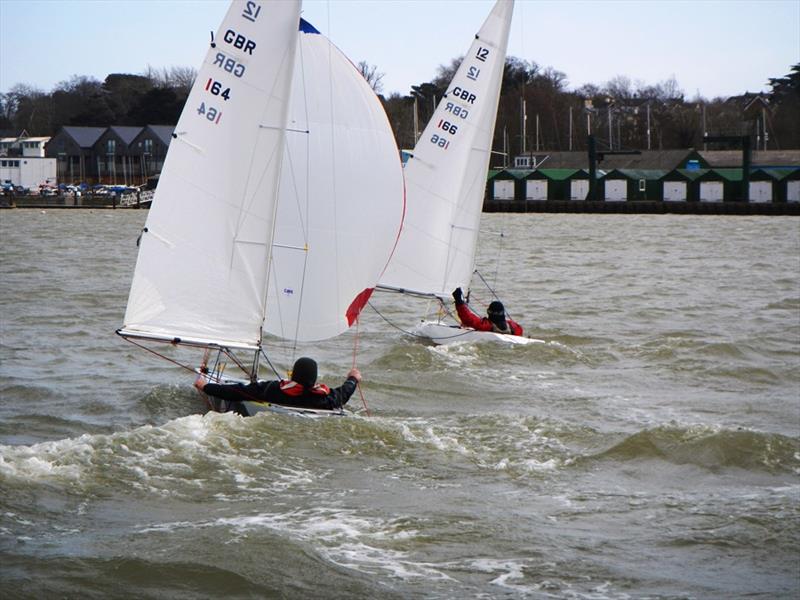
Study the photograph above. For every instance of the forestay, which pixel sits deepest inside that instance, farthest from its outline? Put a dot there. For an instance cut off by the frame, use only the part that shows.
(341, 197)
(200, 275)
(446, 176)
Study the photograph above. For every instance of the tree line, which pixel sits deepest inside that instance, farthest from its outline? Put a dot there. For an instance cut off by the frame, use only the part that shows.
(536, 113)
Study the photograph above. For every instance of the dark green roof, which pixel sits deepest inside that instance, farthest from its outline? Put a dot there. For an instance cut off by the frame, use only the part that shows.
(729, 174)
(638, 173)
(560, 174)
(690, 174)
(511, 174)
(779, 174)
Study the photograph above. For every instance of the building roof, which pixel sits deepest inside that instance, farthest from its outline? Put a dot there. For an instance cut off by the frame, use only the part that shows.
(647, 159)
(561, 174)
(774, 174)
(85, 137)
(163, 132)
(759, 158)
(727, 174)
(637, 174)
(126, 134)
(690, 174)
(511, 174)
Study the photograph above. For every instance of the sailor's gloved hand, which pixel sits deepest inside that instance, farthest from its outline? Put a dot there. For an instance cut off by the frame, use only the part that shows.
(458, 296)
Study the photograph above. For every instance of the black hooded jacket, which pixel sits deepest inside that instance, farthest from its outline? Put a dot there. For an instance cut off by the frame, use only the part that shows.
(270, 391)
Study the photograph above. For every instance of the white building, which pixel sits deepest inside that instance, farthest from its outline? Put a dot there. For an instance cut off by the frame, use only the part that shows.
(29, 172)
(24, 145)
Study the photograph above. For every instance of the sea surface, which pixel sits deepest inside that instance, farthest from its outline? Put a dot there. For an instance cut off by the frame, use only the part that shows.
(647, 446)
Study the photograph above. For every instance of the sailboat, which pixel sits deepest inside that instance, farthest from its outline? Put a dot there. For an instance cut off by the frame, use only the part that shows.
(445, 184)
(283, 168)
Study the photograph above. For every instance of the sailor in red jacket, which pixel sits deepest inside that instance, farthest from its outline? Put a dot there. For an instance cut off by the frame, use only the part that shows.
(494, 321)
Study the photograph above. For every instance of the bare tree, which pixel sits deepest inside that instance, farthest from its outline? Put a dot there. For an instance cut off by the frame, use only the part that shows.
(371, 74)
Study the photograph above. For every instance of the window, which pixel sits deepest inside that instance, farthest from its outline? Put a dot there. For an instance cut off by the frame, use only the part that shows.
(3, 163)
(148, 146)
(111, 146)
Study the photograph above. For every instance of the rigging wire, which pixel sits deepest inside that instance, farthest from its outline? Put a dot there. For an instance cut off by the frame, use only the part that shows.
(269, 362)
(486, 283)
(158, 354)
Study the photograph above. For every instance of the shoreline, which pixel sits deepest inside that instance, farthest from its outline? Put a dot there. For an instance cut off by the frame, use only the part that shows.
(638, 207)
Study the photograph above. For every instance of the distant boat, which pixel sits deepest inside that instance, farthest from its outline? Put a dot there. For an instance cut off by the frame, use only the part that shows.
(446, 180)
(283, 169)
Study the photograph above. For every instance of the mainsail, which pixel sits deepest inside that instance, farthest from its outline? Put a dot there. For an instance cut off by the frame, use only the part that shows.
(256, 215)
(446, 174)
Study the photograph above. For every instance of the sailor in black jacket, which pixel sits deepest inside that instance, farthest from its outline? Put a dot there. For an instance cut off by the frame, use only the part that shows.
(302, 390)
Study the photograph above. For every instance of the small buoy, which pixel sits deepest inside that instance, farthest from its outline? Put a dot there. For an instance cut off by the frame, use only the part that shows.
(44, 212)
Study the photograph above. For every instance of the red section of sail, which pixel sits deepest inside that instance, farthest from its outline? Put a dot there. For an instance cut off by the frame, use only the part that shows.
(358, 303)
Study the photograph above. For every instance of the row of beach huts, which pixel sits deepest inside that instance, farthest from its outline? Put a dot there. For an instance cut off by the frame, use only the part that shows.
(673, 176)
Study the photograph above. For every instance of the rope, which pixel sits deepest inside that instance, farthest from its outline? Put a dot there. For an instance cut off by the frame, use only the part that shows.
(416, 335)
(400, 329)
(358, 384)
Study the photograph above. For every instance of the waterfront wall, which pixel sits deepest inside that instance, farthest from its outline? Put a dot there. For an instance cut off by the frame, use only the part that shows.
(642, 207)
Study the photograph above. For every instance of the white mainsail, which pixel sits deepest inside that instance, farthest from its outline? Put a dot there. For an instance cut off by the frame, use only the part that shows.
(204, 273)
(336, 227)
(446, 175)
(200, 273)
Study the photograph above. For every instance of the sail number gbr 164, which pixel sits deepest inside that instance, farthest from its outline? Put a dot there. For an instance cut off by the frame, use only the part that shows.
(457, 111)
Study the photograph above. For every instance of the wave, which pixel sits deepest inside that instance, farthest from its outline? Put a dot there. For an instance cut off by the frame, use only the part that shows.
(710, 448)
(128, 576)
(230, 458)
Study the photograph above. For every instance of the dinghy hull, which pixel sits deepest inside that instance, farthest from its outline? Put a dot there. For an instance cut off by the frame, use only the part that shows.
(441, 334)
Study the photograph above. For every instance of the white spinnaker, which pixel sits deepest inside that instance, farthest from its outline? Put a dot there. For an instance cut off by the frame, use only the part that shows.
(200, 274)
(446, 177)
(341, 197)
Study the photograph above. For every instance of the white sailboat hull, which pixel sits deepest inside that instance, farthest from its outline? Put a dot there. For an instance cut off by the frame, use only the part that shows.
(441, 334)
(254, 408)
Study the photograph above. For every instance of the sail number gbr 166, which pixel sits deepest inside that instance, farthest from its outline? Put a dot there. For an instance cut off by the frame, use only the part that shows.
(457, 111)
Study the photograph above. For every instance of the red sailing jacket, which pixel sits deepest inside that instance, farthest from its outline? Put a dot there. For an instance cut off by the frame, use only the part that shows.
(470, 319)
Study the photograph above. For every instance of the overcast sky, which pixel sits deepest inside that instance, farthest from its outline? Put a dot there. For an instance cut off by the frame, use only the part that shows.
(714, 48)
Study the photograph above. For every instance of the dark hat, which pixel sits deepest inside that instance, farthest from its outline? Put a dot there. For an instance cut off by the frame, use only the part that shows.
(496, 308)
(304, 371)
(497, 314)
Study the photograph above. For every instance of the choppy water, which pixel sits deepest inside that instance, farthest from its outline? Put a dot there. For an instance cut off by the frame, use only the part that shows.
(648, 447)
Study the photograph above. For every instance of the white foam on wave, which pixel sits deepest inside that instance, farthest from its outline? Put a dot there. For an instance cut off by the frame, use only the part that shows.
(518, 444)
(340, 536)
(441, 440)
(63, 459)
(161, 460)
(462, 354)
